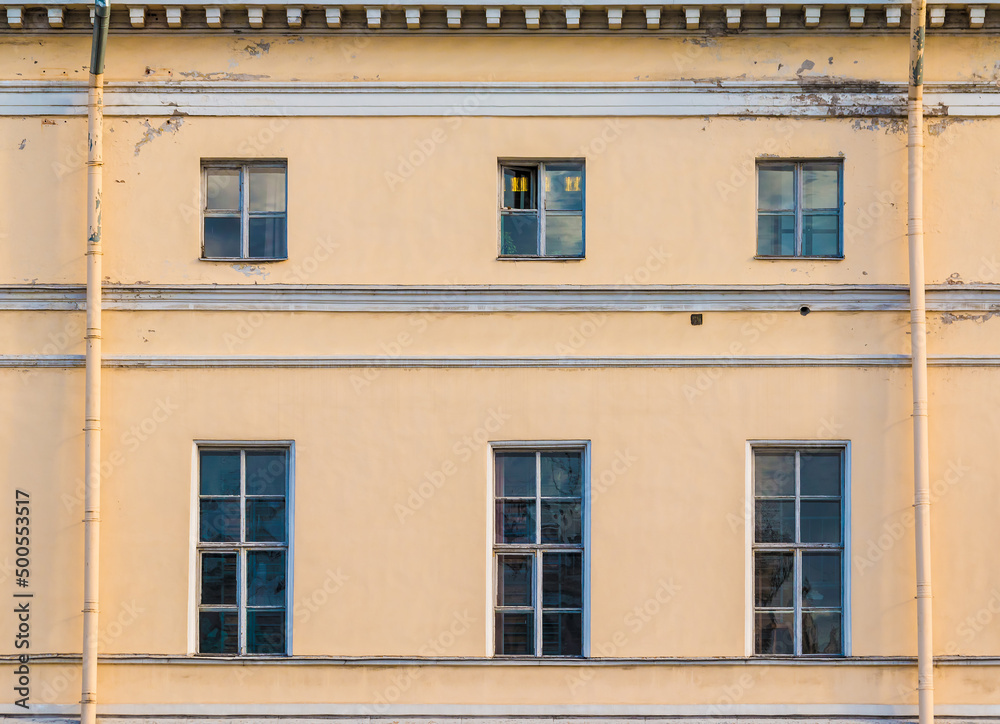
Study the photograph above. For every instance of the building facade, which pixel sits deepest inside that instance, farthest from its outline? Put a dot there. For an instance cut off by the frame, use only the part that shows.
(500, 362)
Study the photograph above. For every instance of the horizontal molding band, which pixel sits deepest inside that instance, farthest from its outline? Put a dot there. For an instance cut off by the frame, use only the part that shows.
(403, 299)
(226, 98)
(379, 712)
(383, 361)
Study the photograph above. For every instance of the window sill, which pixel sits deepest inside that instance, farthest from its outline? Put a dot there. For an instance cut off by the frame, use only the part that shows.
(254, 259)
(761, 257)
(506, 257)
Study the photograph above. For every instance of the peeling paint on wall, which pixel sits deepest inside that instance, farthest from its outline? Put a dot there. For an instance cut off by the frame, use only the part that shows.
(171, 125)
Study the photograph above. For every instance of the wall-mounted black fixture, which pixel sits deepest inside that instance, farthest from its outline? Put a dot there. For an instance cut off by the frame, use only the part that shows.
(696, 319)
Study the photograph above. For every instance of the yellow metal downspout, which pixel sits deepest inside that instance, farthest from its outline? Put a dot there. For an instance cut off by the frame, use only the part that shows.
(918, 346)
(92, 398)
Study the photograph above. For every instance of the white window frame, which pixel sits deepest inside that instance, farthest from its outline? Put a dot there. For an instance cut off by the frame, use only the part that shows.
(583, 446)
(799, 445)
(194, 562)
(798, 163)
(539, 165)
(244, 169)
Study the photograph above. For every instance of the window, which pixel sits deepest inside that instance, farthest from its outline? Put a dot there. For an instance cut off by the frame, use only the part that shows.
(539, 552)
(244, 215)
(798, 551)
(541, 209)
(242, 550)
(798, 209)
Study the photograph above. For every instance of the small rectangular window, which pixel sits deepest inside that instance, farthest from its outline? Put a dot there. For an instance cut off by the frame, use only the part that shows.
(542, 209)
(539, 552)
(799, 209)
(242, 550)
(245, 211)
(798, 551)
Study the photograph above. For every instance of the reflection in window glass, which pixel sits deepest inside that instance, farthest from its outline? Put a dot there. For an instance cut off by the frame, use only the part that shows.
(798, 551)
(542, 219)
(799, 209)
(245, 211)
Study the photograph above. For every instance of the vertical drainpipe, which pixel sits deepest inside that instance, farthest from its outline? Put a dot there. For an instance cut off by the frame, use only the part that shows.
(92, 398)
(918, 352)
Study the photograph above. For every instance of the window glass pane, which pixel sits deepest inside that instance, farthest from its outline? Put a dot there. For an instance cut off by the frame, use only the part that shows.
(562, 580)
(519, 234)
(218, 579)
(266, 578)
(266, 520)
(515, 522)
(514, 582)
(222, 189)
(563, 235)
(821, 573)
(564, 186)
(821, 235)
(218, 632)
(561, 474)
(265, 632)
(820, 521)
(821, 633)
(516, 475)
(265, 472)
(220, 520)
(820, 473)
(267, 237)
(222, 236)
(267, 189)
(774, 521)
(561, 522)
(515, 634)
(774, 580)
(774, 633)
(776, 188)
(776, 235)
(220, 472)
(774, 474)
(820, 187)
(519, 188)
(562, 634)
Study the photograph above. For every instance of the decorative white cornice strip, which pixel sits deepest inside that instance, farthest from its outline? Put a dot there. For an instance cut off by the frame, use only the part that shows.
(653, 13)
(213, 16)
(15, 16)
(857, 16)
(493, 16)
(733, 13)
(333, 15)
(811, 15)
(977, 16)
(450, 362)
(945, 299)
(137, 15)
(615, 18)
(572, 17)
(412, 14)
(935, 15)
(692, 16)
(175, 16)
(821, 99)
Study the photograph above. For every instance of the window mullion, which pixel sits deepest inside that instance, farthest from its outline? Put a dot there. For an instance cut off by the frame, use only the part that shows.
(541, 209)
(797, 182)
(538, 552)
(798, 602)
(245, 211)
